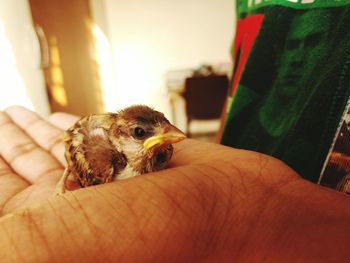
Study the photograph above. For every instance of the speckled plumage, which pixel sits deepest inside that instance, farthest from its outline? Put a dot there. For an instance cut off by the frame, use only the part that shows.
(106, 147)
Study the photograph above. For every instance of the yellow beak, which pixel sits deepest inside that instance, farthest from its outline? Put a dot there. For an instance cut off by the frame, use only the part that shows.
(171, 135)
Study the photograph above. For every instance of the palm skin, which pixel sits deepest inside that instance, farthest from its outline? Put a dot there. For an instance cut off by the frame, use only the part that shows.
(31, 158)
(215, 204)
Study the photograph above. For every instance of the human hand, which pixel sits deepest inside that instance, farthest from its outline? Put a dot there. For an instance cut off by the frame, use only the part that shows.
(31, 160)
(214, 204)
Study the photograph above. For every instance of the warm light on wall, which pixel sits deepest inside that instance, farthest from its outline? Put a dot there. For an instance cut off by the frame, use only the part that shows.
(13, 89)
(56, 75)
(138, 75)
(133, 73)
(105, 69)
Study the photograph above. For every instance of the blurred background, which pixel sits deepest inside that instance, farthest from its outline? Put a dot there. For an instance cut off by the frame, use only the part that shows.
(92, 56)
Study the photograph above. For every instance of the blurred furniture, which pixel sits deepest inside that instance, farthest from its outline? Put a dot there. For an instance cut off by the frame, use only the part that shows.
(204, 98)
(175, 82)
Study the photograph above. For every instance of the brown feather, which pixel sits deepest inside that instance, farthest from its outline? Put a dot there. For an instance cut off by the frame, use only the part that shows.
(142, 113)
(100, 148)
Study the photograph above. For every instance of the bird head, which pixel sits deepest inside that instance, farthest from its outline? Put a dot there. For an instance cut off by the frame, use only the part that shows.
(146, 137)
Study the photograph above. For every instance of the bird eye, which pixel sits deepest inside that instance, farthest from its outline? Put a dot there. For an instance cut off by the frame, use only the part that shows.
(139, 133)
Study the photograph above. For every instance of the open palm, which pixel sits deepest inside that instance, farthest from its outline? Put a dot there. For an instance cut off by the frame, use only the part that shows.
(215, 204)
(31, 156)
(32, 159)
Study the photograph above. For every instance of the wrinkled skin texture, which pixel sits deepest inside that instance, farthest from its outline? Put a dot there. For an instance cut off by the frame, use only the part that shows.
(215, 204)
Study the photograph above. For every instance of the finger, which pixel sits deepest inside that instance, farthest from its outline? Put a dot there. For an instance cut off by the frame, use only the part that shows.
(42, 132)
(191, 151)
(24, 156)
(10, 184)
(41, 190)
(17, 193)
(63, 120)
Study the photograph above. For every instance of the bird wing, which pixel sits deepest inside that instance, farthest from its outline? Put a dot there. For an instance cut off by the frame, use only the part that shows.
(90, 153)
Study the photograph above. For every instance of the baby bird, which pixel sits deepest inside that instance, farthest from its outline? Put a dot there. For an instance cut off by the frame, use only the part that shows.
(106, 147)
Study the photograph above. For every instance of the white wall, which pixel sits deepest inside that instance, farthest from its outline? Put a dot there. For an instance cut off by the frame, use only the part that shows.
(21, 78)
(146, 39)
(150, 37)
